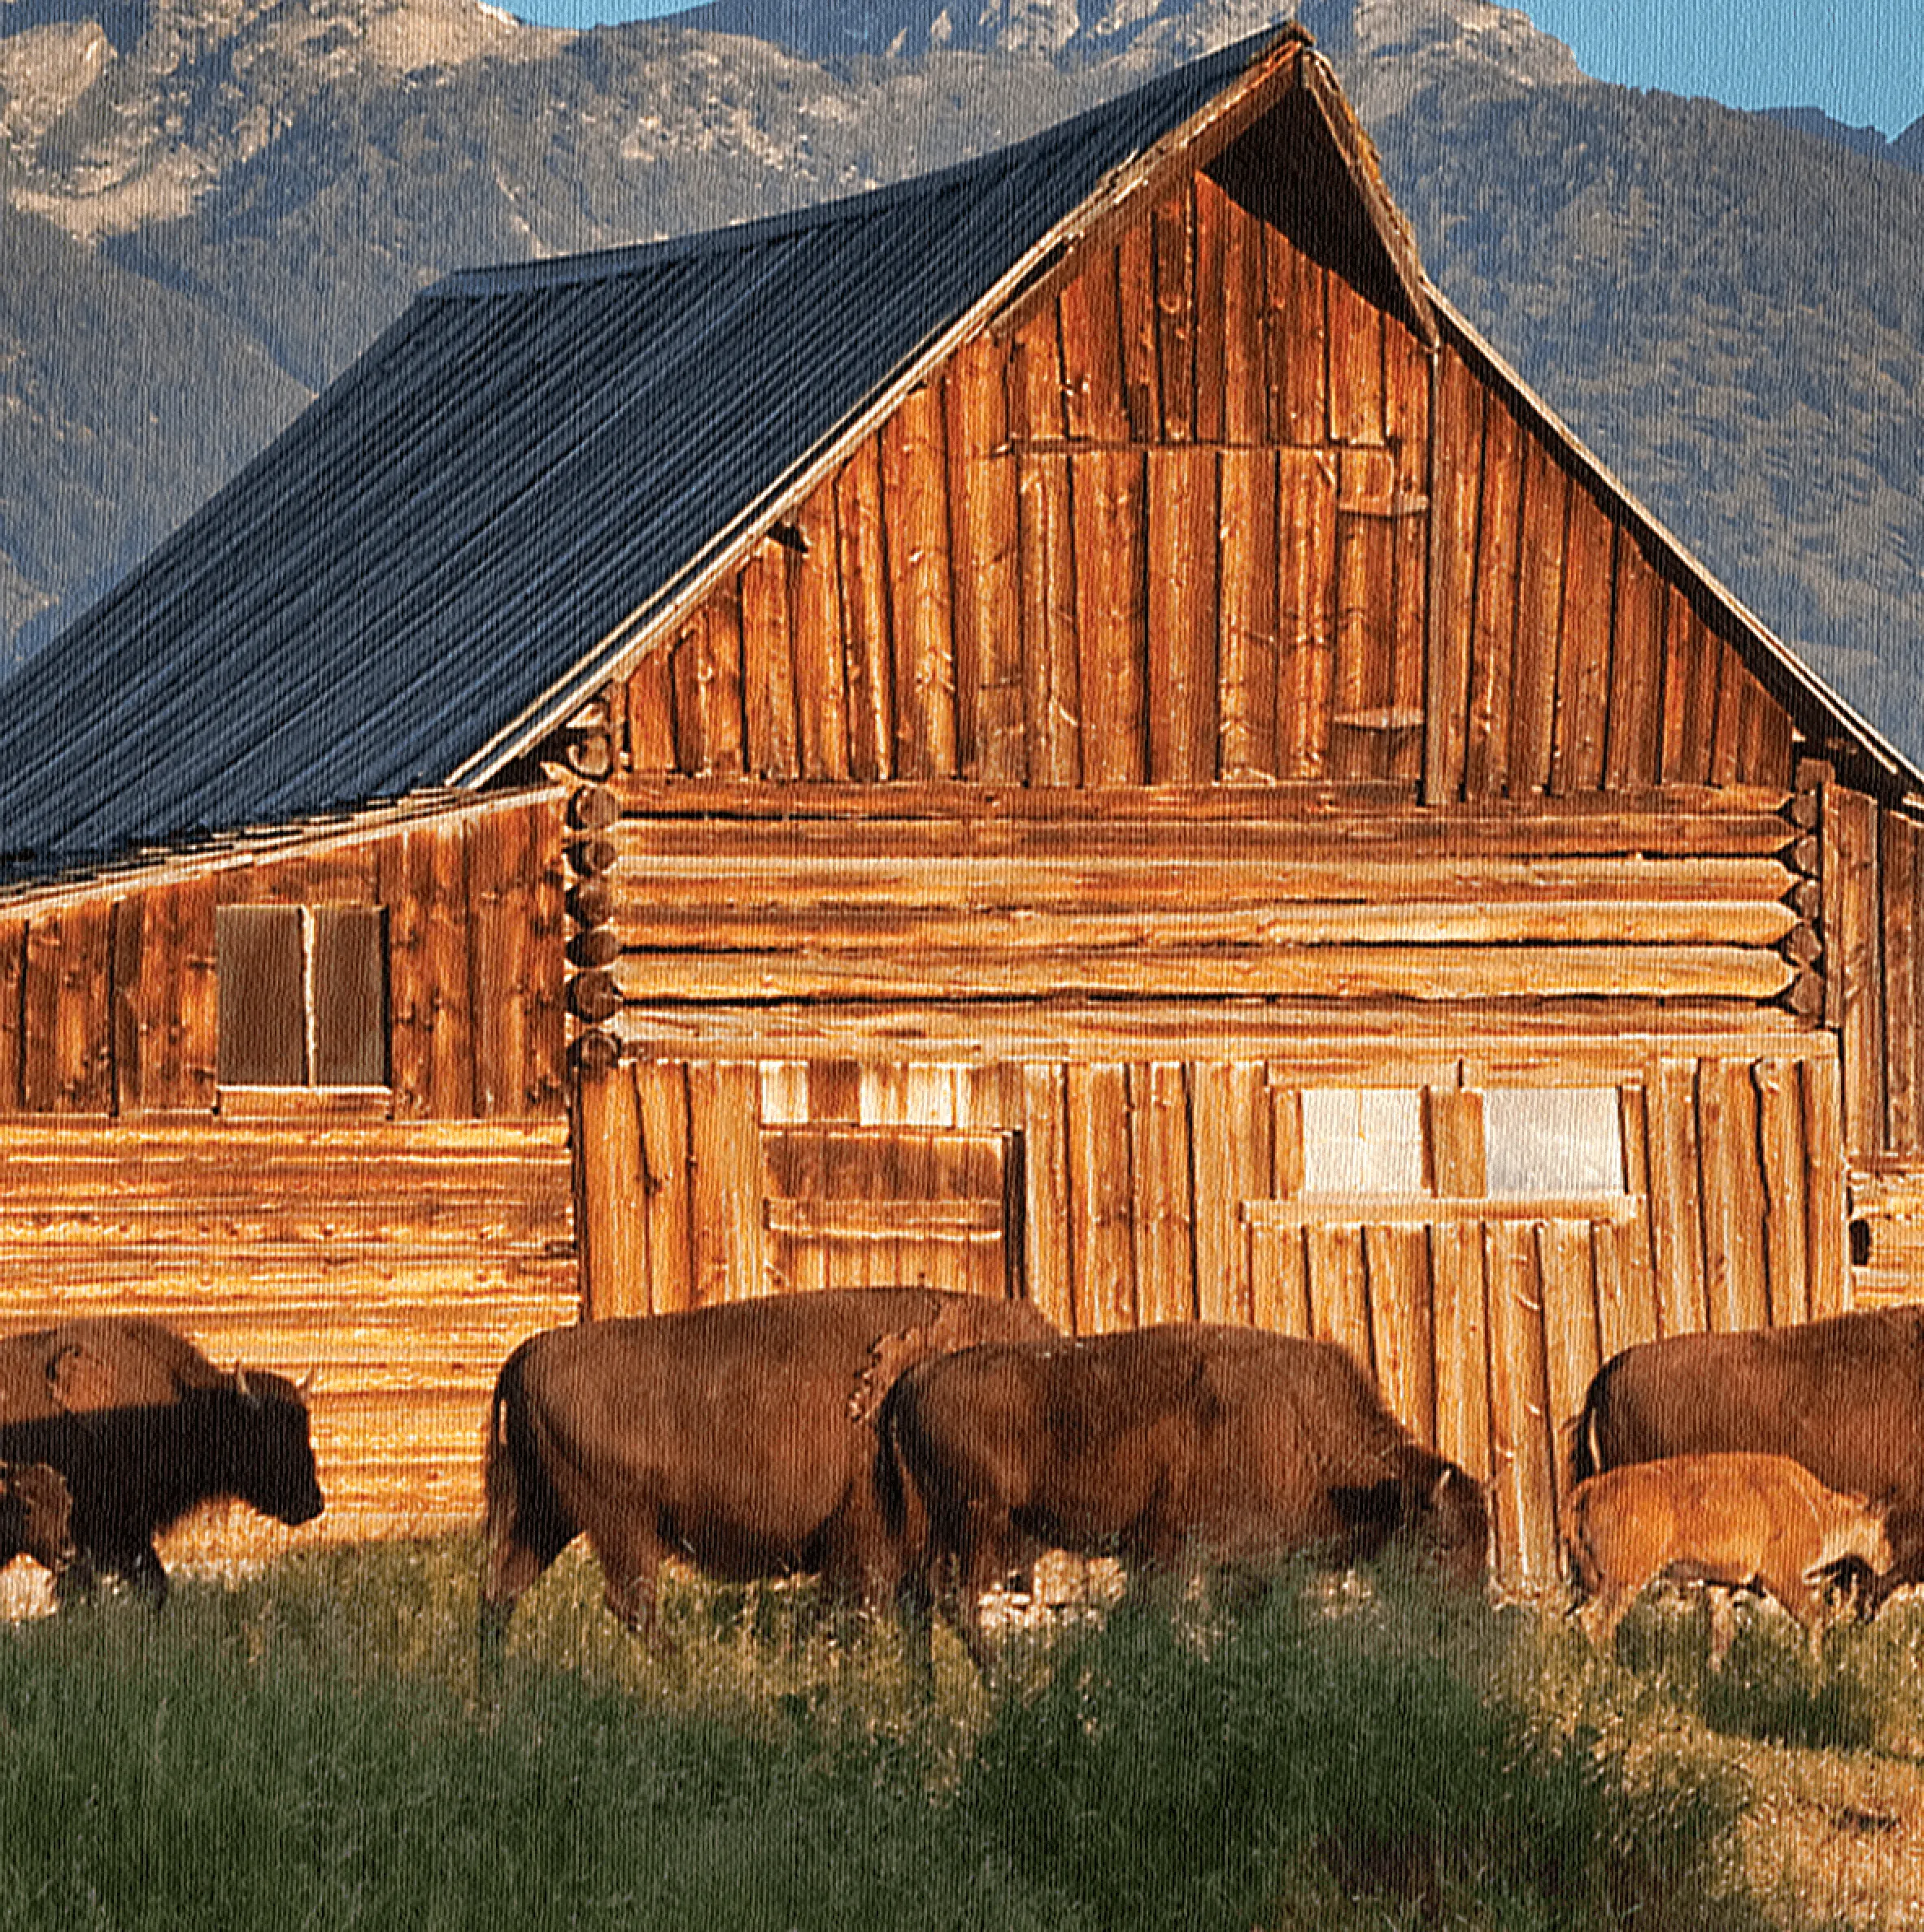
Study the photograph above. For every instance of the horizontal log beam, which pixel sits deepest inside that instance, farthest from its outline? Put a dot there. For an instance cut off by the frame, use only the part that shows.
(913, 936)
(1338, 972)
(1431, 1046)
(1435, 1210)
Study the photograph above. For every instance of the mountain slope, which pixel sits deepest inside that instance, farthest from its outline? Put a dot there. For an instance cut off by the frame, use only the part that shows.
(212, 206)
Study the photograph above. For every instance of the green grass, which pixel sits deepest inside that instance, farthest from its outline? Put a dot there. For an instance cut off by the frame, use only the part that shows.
(306, 1748)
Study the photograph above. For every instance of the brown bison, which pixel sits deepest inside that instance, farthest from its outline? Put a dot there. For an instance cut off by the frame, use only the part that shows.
(1161, 1446)
(1738, 1522)
(144, 1427)
(36, 1516)
(735, 1436)
(1844, 1397)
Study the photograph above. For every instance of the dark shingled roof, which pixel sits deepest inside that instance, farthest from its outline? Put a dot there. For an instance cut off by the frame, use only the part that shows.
(443, 546)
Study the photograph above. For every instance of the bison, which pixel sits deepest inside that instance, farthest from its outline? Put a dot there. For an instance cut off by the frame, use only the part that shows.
(1844, 1396)
(736, 1436)
(1738, 1522)
(144, 1427)
(1158, 1445)
(36, 1516)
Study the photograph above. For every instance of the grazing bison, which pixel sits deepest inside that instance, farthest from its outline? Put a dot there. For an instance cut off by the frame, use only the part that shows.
(143, 1428)
(731, 1435)
(1740, 1521)
(1844, 1397)
(1192, 1441)
(36, 1516)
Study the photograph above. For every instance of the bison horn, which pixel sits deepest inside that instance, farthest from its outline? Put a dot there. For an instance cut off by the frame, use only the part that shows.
(305, 1385)
(241, 1387)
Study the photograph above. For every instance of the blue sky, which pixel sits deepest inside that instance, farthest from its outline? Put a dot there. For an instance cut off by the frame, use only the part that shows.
(1861, 60)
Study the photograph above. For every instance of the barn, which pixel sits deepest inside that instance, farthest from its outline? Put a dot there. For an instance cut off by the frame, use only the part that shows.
(1064, 729)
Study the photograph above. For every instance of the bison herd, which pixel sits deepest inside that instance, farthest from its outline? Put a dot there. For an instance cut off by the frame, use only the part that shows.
(912, 1448)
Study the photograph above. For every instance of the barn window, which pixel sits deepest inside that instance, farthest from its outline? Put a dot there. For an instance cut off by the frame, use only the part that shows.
(302, 995)
(1362, 1141)
(1553, 1140)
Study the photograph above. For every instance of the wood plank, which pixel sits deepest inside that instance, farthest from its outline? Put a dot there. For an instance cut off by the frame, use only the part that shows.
(984, 544)
(1107, 490)
(914, 513)
(1036, 384)
(725, 1161)
(1780, 1140)
(1898, 885)
(1090, 320)
(1676, 1198)
(1458, 417)
(1582, 697)
(1053, 703)
(770, 745)
(1544, 516)
(1307, 611)
(516, 931)
(1295, 343)
(1396, 1259)
(1634, 742)
(1230, 1125)
(816, 638)
(1159, 1154)
(613, 1236)
(1339, 1289)
(1355, 364)
(1521, 1449)
(868, 647)
(1278, 1269)
(1142, 378)
(1045, 1169)
(1690, 692)
(1854, 961)
(1210, 211)
(1493, 650)
(1173, 224)
(1364, 972)
(1182, 616)
(1629, 1313)
(1567, 1251)
(1361, 732)
(13, 966)
(707, 687)
(1245, 411)
(1462, 1346)
(1247, 565)
(649, 704)
(1825, 1241)
(1099, 1199)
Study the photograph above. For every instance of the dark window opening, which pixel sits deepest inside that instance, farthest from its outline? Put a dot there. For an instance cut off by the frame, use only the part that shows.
(302, 995)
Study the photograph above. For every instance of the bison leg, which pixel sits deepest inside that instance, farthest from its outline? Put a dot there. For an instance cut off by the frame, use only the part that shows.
(1805, 1602)
(630, 1558)
(1600, 1616)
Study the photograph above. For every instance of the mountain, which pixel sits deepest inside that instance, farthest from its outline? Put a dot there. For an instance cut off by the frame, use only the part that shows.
(208, 207)
(1907, 150)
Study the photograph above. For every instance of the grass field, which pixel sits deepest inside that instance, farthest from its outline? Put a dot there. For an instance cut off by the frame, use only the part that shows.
(304, 1747)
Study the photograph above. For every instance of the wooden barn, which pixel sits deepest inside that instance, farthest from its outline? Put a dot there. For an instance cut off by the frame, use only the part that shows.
(1067, 728)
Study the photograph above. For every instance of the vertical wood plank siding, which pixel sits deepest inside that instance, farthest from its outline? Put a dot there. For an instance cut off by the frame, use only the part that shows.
(1022, 576)
(109, 1005)
(1159, 1191)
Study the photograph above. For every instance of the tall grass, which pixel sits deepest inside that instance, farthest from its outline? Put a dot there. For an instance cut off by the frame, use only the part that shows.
(305, 1748)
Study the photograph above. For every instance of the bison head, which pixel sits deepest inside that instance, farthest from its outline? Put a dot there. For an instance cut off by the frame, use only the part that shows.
(270, 1451)
(38, 1514)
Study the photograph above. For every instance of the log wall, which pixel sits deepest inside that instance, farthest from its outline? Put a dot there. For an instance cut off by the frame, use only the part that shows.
(109, 1004)
(1202, 511)
(1119, 1191)
(401, 1262)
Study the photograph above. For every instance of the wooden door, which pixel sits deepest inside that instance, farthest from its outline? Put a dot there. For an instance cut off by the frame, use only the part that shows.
(847, 1206)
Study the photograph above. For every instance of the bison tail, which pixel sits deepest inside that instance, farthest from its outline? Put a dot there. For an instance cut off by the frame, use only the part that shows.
(1580, 1430)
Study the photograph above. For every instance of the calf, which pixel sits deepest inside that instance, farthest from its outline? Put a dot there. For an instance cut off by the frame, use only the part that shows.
(1739, 1521)
(1192, 1441)
(36, 1516)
